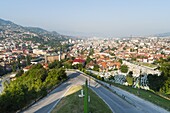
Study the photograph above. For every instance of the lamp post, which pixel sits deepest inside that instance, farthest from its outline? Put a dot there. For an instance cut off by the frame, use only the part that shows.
(86, 98)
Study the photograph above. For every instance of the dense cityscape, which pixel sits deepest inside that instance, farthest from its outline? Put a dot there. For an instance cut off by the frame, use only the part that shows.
(85, 56)
(137, 62)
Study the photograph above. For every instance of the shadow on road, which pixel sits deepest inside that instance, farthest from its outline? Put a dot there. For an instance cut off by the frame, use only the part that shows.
(46, 108)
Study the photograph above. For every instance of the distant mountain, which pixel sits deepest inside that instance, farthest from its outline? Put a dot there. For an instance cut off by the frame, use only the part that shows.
(11, 27)
(163, 34)
(5, 24)
(36, 30)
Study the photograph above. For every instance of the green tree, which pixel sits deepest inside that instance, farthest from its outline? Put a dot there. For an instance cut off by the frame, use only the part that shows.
(96, 67)
(120, 60)
(165, 69)
(37, 66)
(32, 85)
(78, 66)
(61, 74)
(19, 73)
(88, 59)
(155, 82)
(68, 65)
(166, 86)
(55, 64)
(54, 77)
(91, 52)
(129, 79)
(124, 68)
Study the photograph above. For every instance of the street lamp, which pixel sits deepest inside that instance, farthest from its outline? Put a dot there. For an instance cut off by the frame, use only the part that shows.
(86, 98)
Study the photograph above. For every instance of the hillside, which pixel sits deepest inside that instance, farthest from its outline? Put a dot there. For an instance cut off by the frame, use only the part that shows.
(11, 30)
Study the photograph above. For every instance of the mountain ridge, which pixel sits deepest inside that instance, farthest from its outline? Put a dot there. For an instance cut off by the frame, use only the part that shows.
(8, 27)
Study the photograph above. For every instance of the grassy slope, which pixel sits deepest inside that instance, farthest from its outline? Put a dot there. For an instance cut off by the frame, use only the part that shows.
(147, 95)
(73, 104)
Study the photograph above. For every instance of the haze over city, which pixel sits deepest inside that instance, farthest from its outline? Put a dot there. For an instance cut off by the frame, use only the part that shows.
(112, 18)
(85, 56)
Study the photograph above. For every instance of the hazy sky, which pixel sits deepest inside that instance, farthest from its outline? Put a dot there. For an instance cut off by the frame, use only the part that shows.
(91, 17)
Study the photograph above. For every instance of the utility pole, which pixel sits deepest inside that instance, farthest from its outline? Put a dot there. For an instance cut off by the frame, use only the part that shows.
(139, 82)
(86, 98)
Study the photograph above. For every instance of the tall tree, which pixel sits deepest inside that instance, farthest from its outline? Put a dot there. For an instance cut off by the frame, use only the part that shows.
(55, 64)
(129, 80)
(155, 82)
(96, 67)
(88, 59)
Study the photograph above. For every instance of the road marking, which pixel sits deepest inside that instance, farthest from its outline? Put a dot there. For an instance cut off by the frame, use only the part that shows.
(59, 100)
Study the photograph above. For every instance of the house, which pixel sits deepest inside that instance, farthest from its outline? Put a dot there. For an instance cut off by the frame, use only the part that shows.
(78, 61)
(90, 65)
(27, 68)
(111, 65)
(103, 66)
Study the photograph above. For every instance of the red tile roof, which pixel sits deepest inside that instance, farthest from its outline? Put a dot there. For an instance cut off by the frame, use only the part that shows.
(79, 60)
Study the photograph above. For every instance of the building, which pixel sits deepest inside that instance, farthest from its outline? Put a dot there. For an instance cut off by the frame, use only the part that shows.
(78, 61)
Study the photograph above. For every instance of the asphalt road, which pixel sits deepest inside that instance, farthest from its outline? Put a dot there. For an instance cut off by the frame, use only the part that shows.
(47, 103)
(116, 103)
(3, 79)
(138, 103)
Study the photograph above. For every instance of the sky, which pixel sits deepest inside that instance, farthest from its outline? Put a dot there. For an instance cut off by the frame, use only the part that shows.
(105, 18)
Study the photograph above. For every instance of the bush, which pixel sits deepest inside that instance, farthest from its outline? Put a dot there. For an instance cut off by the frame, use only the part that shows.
(124, 68)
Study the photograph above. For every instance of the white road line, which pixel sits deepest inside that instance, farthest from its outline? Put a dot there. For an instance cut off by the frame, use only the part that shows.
(59, 100)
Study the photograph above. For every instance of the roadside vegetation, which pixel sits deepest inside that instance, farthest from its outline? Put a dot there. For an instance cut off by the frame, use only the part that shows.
(74, 104)
(147, 95)
(159, 92)
(29, 86)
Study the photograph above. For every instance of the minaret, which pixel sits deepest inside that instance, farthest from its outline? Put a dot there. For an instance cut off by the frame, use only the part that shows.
(59, 57)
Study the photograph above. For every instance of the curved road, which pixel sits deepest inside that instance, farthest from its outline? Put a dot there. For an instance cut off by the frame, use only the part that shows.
(116, 103)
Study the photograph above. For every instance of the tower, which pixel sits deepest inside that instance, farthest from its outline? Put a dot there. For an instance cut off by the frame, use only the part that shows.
(59, 56)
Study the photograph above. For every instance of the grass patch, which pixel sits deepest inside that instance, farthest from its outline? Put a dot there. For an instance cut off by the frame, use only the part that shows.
(73, 104)
(147, 95)
(147, 64)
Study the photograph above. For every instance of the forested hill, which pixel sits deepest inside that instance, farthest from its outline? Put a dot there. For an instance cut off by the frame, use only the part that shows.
(9, 29)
